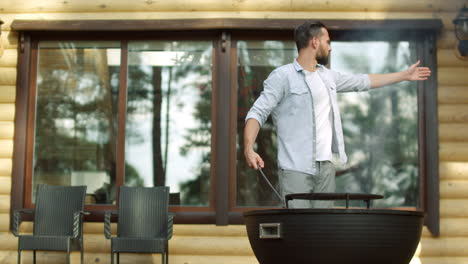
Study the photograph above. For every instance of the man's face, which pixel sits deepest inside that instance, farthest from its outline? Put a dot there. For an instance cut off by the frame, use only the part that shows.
(324, 49)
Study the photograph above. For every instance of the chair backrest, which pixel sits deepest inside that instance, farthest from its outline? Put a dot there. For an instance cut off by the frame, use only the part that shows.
(55, 206)
(143, 211)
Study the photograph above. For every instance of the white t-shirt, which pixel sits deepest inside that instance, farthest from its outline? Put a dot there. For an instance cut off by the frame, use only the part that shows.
(323, 116)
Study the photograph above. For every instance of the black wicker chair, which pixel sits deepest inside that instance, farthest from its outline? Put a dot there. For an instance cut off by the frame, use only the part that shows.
(58, 221)
(144, 224)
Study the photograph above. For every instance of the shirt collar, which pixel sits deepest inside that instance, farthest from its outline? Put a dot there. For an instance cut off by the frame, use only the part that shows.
(299, 68)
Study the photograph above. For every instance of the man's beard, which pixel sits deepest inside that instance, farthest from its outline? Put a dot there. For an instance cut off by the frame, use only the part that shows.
(322, 59)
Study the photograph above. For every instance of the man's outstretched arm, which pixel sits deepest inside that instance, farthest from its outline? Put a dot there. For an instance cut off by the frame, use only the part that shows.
(413, 73)
(250, 135)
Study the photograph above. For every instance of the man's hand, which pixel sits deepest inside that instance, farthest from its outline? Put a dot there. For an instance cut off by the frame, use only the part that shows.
(253, 159)
(416, 73)
(413, 73)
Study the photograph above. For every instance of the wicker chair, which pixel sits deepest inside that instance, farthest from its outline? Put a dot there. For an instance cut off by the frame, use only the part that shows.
(144, 224)
(58, 221)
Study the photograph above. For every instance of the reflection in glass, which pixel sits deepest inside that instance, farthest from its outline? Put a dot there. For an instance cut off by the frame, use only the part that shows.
(168, 132)
(255, 61)
(380, 127)
(76, 116)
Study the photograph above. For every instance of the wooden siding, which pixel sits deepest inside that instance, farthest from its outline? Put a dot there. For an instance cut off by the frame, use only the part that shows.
(213, 244)
(23, 6)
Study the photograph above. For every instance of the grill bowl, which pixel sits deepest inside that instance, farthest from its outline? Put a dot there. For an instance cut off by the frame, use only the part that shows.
(334, 236)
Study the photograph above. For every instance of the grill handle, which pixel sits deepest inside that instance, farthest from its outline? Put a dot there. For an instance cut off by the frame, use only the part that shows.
(333, 196)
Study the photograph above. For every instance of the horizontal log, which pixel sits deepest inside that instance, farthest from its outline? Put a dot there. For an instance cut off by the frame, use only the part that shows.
(7, 76)
(7, 94)
(7, 112)
(453, 113)
(6, 129)
(453, 132)
(446, 17)
(453, 76)
(453, 189)
(31, 6)
(449, 227)
(453, 151)
(448, 58)
(6, 148)
(210, 230)
(4, 222)
(89, 228)
(185, 245)
(443, 260)
(187, 240)
(454, 208)
(5, 167)
(4, 203)
(453, 170)
(8, 241)
(9, 39)
(179, 230)
(125, 258)
(5, 185)
(9, 58)
(452, 95)
(446, 39)
(453, 246)
(178, 245)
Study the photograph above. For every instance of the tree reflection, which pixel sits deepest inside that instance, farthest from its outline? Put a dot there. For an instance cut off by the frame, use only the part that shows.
(170, 88)
(76, 117)
(381, 138)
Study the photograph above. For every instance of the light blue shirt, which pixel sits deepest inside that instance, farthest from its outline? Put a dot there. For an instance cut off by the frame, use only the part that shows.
(288, 98)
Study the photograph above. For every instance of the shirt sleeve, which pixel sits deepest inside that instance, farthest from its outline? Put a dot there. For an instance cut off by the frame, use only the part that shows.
(346, 82)
(273, 92)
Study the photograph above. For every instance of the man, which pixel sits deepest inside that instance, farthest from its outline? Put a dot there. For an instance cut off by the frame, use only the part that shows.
(301, 97)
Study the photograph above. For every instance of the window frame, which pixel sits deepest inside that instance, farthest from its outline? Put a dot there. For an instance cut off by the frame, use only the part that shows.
(224, 33)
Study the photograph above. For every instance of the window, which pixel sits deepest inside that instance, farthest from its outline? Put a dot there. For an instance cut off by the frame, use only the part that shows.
(168, 124)
(168, 108)
(76, 118)
(380, 126)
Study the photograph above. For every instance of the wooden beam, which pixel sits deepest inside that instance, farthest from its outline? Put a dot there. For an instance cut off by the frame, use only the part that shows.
(205, 24)
(46, 6)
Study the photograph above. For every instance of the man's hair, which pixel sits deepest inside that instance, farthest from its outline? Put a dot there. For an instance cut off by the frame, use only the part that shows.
(304, 33)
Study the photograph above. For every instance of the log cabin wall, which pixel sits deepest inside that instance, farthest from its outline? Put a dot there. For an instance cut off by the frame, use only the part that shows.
(197, 244)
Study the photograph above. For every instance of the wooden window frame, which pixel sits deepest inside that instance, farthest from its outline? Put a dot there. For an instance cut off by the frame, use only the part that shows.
(222, 210)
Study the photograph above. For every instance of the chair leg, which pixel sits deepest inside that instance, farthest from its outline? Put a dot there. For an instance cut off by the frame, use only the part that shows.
(34, 256)
(68, 252)
(162, 257)
(167, 252)
(81, 251)
(112, 257)
(118, 257)
(19, 256)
